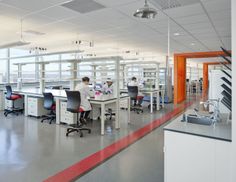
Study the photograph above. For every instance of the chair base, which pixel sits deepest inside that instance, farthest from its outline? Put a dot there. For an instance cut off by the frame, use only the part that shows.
(109, 114)
(78, 129)
(136, 109)
(13, 111)
(49, 117)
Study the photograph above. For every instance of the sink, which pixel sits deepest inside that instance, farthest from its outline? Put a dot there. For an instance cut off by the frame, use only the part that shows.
(191, 118)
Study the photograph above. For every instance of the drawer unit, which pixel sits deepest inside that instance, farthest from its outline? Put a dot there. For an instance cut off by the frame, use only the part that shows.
(35, 107)
(66, 117)
(124, 104)
(1, 100)
(19, 103)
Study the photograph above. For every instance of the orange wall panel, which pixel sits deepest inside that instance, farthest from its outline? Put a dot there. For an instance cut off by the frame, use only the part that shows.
(205, 79)
(179, 79)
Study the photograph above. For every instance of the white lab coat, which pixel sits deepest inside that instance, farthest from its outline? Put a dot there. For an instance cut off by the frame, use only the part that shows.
(85, 93)
(107, 89)
(135, 83)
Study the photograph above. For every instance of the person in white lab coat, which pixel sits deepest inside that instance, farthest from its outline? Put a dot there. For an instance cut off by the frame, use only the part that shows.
(140, 96)
(108, 87)
(85, 93)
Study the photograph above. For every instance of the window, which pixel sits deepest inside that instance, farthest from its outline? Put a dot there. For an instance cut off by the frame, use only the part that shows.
(28, 71)
(3, 67)
(52, 70)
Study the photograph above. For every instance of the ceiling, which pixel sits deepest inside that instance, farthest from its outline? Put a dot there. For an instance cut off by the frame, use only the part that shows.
(202, 25)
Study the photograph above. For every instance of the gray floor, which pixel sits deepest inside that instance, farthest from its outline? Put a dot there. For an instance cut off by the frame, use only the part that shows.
(31, 151)
(141, 162)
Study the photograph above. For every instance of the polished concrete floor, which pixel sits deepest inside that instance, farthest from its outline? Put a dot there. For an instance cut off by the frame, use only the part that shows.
(31, 151)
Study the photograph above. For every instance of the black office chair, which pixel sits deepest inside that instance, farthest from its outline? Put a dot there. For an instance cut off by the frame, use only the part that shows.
(133, 93)
(109, 113)
(73, 105)
(12, 97)
(49, 105)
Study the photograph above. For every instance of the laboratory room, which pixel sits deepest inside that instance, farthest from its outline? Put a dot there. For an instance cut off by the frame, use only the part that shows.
(117, 91)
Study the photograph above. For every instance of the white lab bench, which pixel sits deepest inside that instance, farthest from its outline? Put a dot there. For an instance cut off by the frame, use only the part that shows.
(60, 96)
(152, 93)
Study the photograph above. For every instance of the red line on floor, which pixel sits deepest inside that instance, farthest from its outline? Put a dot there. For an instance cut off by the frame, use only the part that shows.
(75, 171)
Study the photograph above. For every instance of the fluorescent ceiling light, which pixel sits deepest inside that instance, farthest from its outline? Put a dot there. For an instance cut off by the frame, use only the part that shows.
(31, 33)
(14, 44)
(192, 44)
(21, 42)
(176, 34)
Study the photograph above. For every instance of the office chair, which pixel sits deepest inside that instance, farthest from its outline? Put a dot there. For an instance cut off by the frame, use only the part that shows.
(73, 105)
(109, 113)
(49, 105)
(133, 93)
(12, 97)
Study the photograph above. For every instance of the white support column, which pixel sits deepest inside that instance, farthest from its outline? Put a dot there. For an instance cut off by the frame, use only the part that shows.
(8, 66)
(73, 75)
(19, 80)
(157, 77)
(94, 73)
(37, 73)
(60, 73)
(117, 94)
(123, 76)
(42, 78)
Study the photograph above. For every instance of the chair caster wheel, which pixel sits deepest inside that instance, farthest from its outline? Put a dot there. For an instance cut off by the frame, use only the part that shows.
(81, 135)
(67, 134)
(89, 131)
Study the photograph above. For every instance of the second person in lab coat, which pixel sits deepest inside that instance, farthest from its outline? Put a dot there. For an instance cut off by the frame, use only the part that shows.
(108, 87)
(140, 96)
(85, 94)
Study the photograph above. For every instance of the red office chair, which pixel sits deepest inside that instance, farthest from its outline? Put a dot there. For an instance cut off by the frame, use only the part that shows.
(133, 94)
(12, 97)
(73, 106)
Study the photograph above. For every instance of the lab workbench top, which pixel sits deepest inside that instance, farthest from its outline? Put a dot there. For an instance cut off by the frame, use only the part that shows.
(62, 94)
(221, 130)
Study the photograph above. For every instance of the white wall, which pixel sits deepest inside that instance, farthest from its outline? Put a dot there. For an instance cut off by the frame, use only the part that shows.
(233, 31)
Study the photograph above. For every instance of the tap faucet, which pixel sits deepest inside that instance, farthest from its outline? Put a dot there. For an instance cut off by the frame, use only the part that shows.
(215, 116)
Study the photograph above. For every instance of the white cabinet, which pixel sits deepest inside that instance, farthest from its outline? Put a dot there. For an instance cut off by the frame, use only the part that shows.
(190, 158)
(1, 100)
(35, 107)
(66, 117)
(124, 104)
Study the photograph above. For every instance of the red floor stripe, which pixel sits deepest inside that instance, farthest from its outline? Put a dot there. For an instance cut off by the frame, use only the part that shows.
(73, 172)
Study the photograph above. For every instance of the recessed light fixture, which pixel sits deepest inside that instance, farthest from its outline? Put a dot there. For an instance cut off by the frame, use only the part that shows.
(192, 44)
(176, 34)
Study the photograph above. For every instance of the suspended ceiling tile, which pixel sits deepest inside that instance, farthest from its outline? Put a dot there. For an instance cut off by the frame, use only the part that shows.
(59, 13)
(29, 5)
(217, 5)
(193, 19)
(185, 11)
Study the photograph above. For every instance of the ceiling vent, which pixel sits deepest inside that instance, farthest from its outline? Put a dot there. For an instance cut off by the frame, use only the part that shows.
(170, 4)
(83, 6)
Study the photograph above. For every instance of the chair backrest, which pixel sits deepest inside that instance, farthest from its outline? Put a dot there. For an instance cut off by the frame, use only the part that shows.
(133, 92)
(9, 92)
(48, 100)
(73, 101)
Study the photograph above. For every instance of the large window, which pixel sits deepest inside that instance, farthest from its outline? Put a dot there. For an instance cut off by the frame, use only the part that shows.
(52, 70)
(28, 71)
(3, 67)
